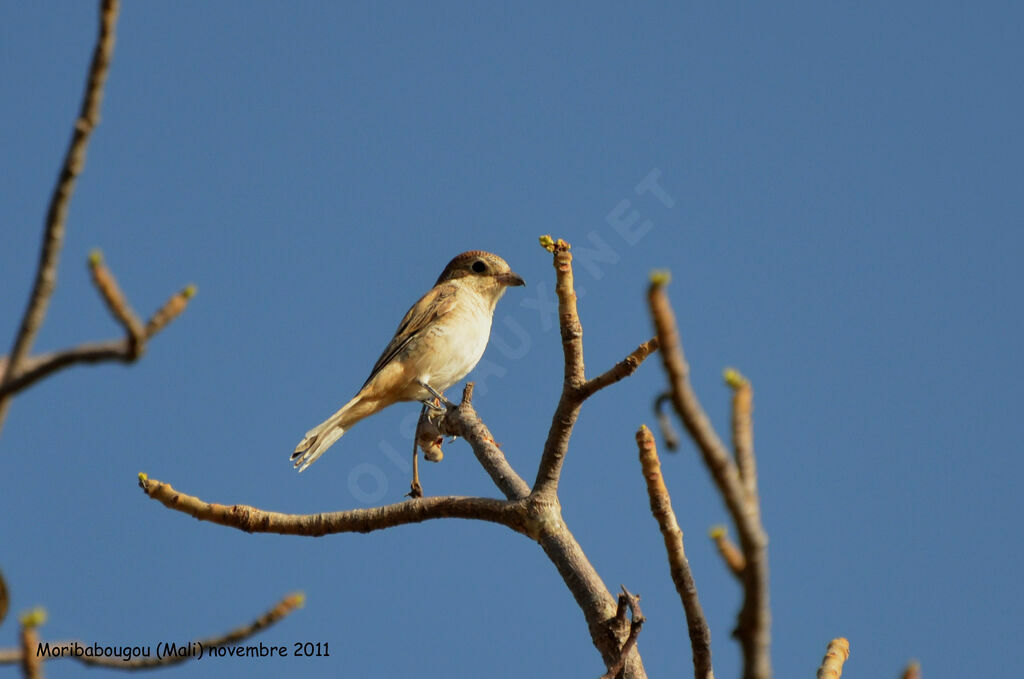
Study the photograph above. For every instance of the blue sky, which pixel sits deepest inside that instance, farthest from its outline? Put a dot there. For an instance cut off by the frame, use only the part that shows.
(845, 228)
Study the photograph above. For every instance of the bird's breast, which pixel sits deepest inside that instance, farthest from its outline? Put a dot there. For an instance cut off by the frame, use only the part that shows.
(453, 346)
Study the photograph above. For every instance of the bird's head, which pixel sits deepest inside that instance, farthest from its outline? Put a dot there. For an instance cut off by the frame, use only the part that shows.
(484, 272)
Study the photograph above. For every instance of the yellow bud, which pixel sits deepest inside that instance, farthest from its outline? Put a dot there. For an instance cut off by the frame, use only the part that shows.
(660, 277)
(733, 378)
(33, 618)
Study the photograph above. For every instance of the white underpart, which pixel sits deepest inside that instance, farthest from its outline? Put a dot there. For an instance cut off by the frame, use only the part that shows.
(458, 346)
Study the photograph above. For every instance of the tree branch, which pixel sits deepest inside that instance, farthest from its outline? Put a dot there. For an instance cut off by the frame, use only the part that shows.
(28, 652)
(115, 300)
(575, 387)
(679, 566)
(31, 664)
(464, 422)
(743, 430)
(636, 621)
(730, 553)
(126, 350)
(668, 432)
(568, 409)
(754, 623)
(253, 520)
(620, 370)
(832, 664)
(586, 586)
(56, 216)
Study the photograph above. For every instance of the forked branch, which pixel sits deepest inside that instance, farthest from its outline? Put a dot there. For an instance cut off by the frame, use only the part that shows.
(20, 370)
(126, 350)
(575, 386)
(56, 214)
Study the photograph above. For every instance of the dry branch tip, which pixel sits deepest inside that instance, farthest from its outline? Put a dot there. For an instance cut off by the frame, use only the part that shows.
(95, 257)
(832, 664)
(912, 670)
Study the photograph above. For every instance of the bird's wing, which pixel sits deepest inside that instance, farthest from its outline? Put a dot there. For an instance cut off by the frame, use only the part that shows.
(432, 306)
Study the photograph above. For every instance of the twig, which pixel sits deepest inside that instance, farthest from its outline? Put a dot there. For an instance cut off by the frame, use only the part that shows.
(753, 629)
(668, 432)
(832, 664)
(912, 670)
(620, 370)
(730, 553)
(743, 430)
(575, 386)
(56, 216)
(126, 350)
(636, 622)
(679, 566)
(115, 300)
(253, 520)
(31, 664)
(275, 614)
(464, 422)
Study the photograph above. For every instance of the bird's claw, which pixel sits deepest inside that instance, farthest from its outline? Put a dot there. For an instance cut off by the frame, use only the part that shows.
(415, 490)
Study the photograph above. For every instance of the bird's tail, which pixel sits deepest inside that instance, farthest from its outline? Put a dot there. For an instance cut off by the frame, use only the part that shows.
(321, 437)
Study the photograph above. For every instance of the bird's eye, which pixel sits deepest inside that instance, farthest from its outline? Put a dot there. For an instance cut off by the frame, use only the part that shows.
(479, 266)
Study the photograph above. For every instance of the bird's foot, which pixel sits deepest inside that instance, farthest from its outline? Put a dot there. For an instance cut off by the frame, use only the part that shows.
(441, 400)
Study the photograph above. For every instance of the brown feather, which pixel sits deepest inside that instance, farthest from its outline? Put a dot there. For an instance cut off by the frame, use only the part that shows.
(433, 305)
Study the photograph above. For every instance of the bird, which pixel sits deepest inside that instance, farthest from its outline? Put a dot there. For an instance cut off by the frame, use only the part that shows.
(440, 339)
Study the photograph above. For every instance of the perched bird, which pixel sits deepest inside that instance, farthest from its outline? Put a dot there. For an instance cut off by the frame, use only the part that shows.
(441, 339)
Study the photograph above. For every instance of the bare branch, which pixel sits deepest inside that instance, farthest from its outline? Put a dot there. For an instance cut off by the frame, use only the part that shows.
(730, 553)
(912, 670)
(253, 520)
(31, 664)
(743, 430)
(753, 629)
(275, 614)
(127, 350)
(620, 370)
(832, 664)
(575, 387)
(38, 367)
(632, 603)
(56, 216)
(115, 300)
(464, 422)
(668, 432)
(568, 409)
(679, 565)
(171, 309)
(588, 590)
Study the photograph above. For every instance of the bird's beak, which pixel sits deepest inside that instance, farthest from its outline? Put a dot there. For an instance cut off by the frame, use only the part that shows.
(510, 279)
